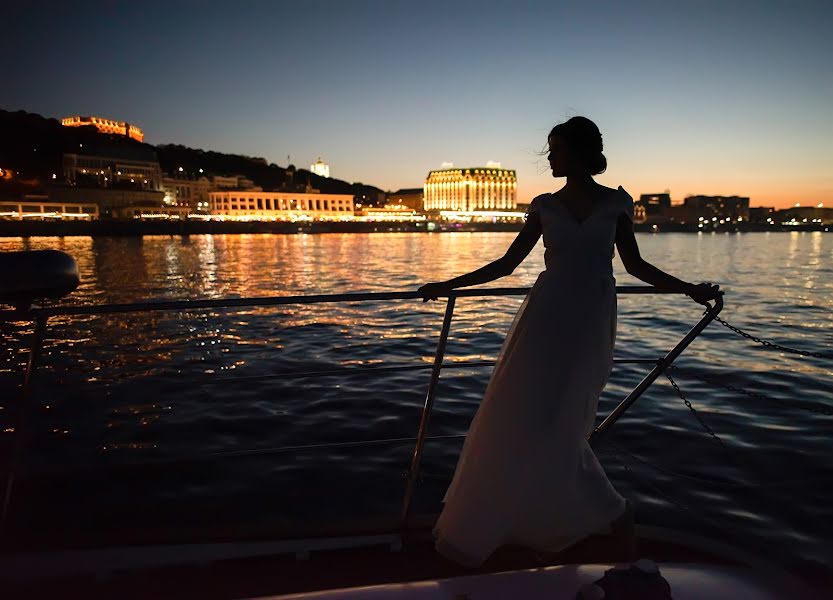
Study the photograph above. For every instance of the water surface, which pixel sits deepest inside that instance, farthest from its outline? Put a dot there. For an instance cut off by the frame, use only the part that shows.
(117, 390)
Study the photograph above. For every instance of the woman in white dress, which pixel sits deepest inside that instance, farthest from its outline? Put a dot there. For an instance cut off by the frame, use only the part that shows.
(526, 474)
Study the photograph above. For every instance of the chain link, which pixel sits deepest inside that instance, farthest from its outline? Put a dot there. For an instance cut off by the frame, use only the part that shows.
(697, 416)
(769, 344)
(813, 407)
(740, 461)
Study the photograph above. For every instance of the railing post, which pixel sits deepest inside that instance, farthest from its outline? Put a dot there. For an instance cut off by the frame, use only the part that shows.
(413, 471)
(657, 370)
(22, 413)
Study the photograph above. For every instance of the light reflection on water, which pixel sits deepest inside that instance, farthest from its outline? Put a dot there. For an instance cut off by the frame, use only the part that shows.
(116, 389)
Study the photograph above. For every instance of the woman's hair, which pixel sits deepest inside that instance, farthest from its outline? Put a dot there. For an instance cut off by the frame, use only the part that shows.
(584, 142)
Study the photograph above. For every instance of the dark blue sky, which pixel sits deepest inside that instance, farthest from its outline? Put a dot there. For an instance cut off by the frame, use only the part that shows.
(701, 97)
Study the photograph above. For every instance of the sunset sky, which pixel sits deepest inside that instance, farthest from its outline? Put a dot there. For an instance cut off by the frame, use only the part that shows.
(696, 98)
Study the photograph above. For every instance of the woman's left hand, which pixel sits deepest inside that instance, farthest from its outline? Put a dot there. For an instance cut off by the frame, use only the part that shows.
(703, 292)
(432, 291)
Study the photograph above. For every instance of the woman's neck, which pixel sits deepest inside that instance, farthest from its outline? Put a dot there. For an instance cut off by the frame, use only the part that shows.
(580, 183)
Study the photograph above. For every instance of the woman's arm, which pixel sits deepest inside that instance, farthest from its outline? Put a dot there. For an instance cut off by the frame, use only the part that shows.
(642, 269)
(505, 265)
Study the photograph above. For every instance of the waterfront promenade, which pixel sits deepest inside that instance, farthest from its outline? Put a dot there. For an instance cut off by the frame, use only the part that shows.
(138, 227)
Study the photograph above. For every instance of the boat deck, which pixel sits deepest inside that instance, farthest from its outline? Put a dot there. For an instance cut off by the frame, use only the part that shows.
(245, 569)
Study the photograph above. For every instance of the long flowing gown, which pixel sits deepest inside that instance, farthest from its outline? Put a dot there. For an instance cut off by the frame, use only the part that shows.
(526, 474)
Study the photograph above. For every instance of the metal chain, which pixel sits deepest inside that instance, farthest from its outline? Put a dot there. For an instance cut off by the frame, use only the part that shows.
(739, 458)
(813, 407)
(769, 344)
(740, 461)
(697, 416)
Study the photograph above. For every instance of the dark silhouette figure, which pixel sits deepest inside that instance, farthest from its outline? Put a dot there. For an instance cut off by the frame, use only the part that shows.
(526, 474)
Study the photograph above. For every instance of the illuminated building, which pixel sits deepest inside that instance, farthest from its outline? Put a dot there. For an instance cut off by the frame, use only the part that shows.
(280, 206)
(474, 189)
(680, 213)
(108, 165)
(640, 215)
(12, 209)
(186, 192)
(107, 200)
(320, 168)
(106, 126)
(151, 211)
(761, 214)
(411, 198)
(652, 208)
(720, 207)
(804, 215)
(481, 216)
(391, 213)
(232, 182)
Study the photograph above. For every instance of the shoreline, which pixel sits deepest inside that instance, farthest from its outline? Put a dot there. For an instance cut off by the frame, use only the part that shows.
(148, 227)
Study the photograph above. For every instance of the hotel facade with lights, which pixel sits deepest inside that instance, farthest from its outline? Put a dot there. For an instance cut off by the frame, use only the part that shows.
(471, 189)
(280, 206)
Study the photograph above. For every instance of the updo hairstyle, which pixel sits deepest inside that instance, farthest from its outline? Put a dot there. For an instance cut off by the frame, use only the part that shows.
(584, 143)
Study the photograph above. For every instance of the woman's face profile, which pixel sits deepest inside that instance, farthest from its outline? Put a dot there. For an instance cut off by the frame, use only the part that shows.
(557, 156)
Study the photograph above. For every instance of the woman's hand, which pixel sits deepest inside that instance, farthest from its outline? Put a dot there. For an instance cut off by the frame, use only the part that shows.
(432, 291)
(703, 292)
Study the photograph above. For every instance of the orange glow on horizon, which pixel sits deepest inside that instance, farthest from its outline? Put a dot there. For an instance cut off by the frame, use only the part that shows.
(778, 195)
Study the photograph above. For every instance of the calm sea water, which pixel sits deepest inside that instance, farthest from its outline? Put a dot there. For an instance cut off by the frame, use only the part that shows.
(199, 392)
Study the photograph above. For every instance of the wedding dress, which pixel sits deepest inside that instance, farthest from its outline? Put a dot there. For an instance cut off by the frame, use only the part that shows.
(526, 474)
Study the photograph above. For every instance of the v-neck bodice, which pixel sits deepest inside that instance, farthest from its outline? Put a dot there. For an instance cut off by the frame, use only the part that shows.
(570, 213)
(576, 247)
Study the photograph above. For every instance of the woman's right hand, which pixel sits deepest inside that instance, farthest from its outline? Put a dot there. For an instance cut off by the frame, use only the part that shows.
(432, 291)
(703, 292)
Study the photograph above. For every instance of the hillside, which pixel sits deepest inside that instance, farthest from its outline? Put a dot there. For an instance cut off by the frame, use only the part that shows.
(32, 145)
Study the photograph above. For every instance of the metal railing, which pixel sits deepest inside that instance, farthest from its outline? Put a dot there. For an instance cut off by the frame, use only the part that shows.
(41, 316)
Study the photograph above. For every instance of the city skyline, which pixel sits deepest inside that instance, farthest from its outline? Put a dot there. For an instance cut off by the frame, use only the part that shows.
(699, 99)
